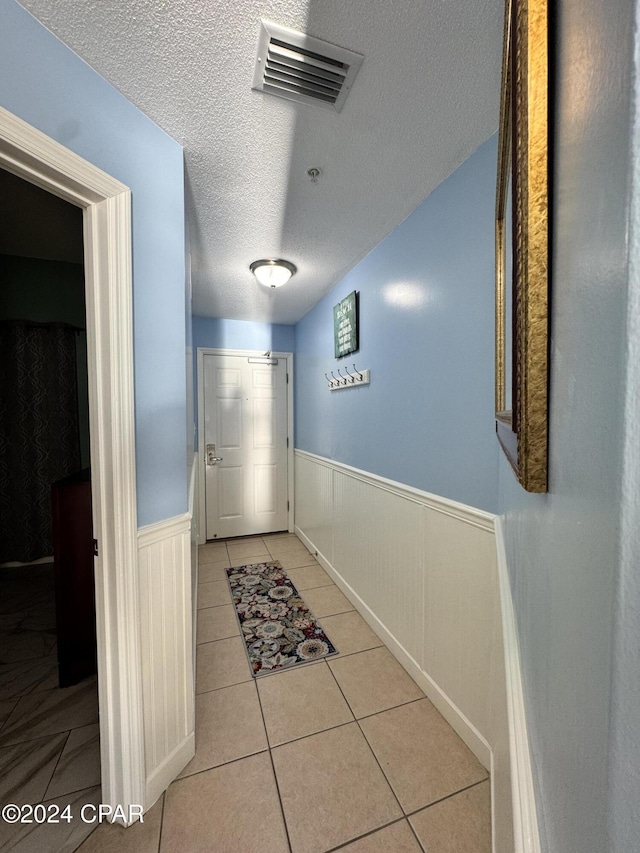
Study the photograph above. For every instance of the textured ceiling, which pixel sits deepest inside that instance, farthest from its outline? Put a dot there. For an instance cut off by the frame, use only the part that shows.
(425, 98)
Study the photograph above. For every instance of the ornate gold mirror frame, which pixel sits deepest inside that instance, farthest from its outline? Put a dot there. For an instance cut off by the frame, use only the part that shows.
(522, 244)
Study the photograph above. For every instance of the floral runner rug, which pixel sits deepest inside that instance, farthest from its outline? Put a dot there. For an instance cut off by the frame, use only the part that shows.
(278, 628)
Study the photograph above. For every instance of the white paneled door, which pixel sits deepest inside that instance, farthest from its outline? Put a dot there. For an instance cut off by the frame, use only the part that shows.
(245, 436)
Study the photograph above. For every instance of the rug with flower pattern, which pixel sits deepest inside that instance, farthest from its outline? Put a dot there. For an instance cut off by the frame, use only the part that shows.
(278, 628)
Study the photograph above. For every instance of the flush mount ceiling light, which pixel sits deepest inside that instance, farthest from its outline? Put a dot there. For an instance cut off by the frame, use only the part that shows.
(273, 272)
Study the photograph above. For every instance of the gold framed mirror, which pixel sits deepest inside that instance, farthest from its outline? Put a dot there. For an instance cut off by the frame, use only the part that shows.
(522, 245)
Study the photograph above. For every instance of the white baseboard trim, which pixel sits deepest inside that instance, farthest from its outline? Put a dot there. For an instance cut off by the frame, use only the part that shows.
(452, 714)
(525, 822)
(163, 776)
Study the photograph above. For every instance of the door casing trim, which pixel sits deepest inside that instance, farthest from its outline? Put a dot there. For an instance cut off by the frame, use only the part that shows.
(200, 354)
(106, 204)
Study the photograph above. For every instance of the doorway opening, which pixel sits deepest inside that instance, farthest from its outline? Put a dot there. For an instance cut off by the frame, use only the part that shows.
(106, 216)
(47, 606)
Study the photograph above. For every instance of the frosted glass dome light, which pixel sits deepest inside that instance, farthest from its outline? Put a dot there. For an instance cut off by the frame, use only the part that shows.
(273, 272)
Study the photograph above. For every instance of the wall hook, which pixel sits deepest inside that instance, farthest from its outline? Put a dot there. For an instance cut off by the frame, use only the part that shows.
(351, 380)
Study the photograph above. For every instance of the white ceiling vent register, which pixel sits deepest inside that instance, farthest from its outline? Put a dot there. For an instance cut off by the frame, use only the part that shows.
(301, 68)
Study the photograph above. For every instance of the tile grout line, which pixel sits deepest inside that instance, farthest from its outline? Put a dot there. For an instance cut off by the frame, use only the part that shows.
(447, 797)
(273, 769)
(415, 835)
(64, 746)
(15, 702)
(223, 764)
(370, 833)
(224, 686)
(72, 793)
(392, 708)
(375, 757)
(164, 805)
(204, 643)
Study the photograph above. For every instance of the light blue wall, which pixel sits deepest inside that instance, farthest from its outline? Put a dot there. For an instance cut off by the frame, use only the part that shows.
(563, 547)
(242, 334)
(426, 334)
(624, 775)
(47, 85)
(238, 334)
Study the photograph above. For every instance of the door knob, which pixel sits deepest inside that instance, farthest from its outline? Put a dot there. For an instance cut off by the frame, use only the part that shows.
(211, 455)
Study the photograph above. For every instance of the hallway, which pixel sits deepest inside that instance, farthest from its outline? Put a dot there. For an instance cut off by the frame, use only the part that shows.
(340, 754)
(344, 753)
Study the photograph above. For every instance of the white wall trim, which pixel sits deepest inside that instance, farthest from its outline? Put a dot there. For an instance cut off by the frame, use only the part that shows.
(471, 515)
(165, 773)
(151, 534)
(200, 354)
(449, 710)
(525, 821)
(193, 512)
(193, 484)
(106, 202)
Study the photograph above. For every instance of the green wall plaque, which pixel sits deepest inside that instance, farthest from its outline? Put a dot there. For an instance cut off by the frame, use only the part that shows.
(345, 325)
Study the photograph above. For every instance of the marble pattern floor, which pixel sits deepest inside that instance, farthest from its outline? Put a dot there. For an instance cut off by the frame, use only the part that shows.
(341, 754)
(49, 737)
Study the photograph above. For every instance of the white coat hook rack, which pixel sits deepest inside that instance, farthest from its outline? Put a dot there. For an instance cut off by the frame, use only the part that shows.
(347, 379)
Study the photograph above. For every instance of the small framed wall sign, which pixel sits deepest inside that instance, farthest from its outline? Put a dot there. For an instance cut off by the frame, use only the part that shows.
(345, 325)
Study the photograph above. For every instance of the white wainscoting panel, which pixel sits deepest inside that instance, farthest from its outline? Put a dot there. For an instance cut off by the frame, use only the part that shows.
(459, 569)
(422, 570)
(167, 654)
(377, 552)
(314, 507)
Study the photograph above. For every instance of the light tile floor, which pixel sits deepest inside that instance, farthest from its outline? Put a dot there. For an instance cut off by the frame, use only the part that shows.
(342, 754)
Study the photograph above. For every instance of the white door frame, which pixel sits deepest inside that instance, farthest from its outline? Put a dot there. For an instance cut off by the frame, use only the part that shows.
(201, 352)
(106, 205)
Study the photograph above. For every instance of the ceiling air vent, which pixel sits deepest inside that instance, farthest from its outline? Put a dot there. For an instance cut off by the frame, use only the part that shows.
(301, 68)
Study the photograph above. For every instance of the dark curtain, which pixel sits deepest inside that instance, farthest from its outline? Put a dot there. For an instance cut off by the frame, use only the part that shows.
(39, 435)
